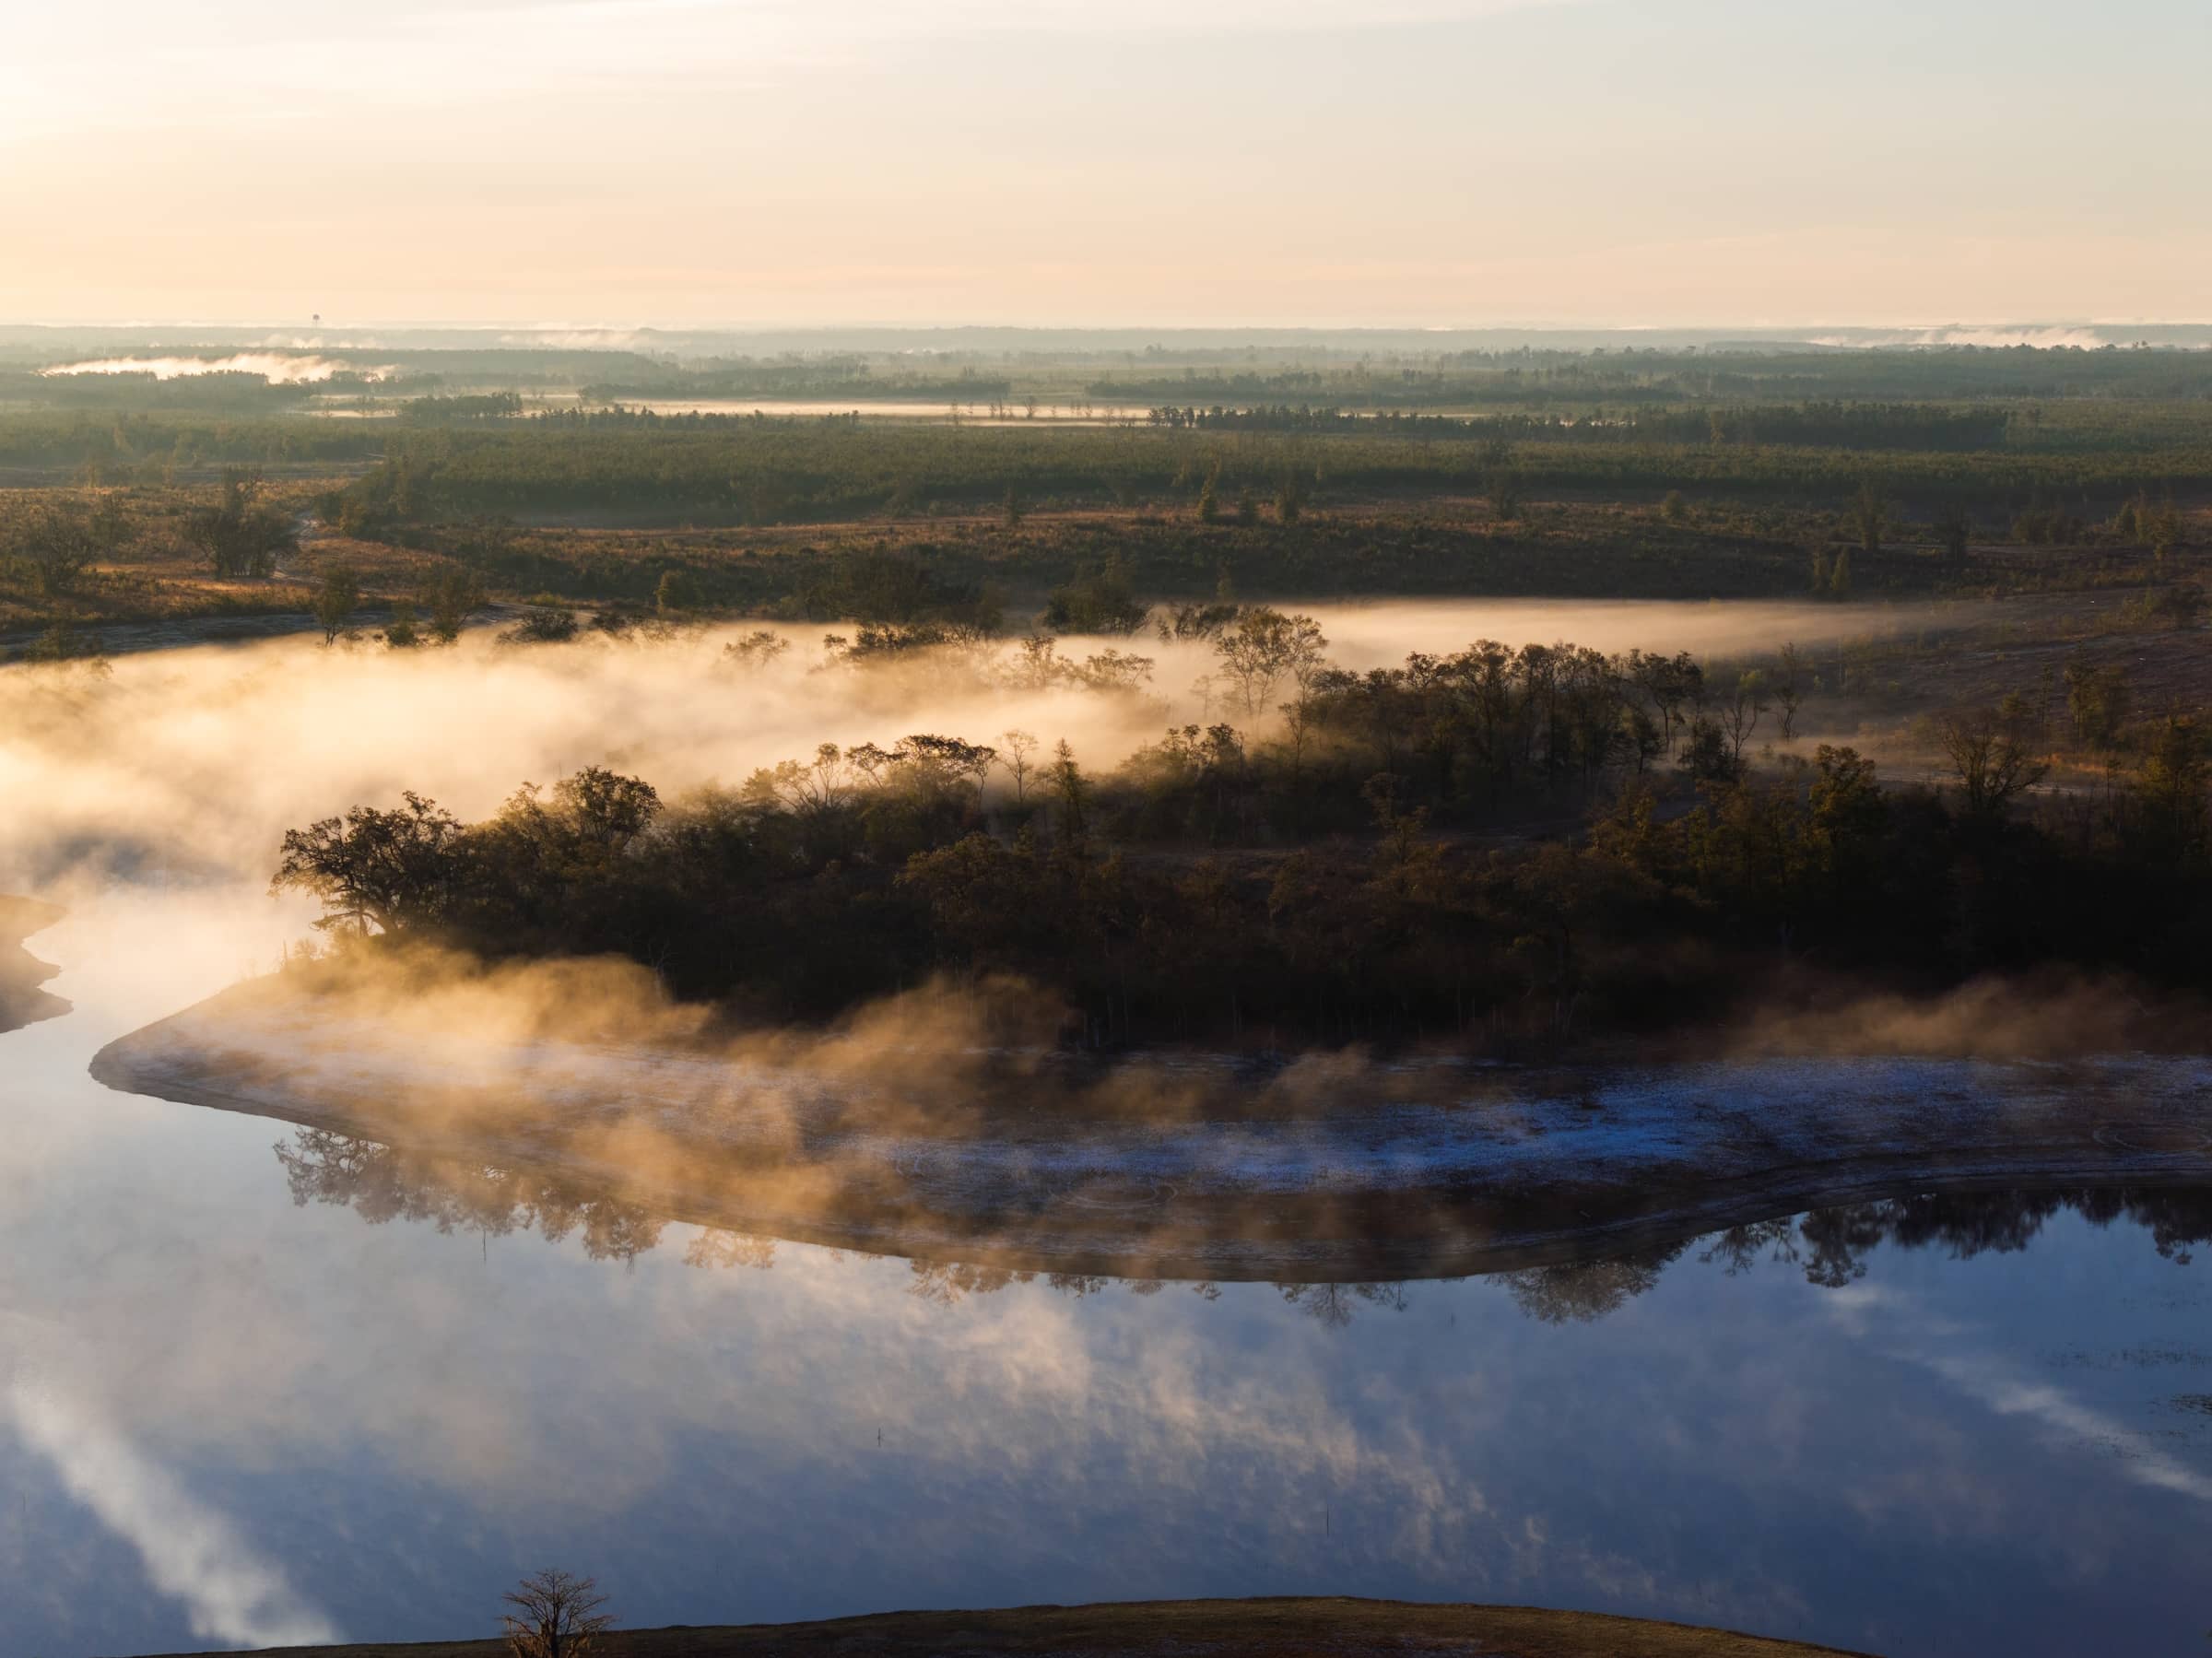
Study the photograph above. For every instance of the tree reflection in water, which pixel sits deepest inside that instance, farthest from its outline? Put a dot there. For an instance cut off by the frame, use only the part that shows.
(1831, 1246)
(1334, 1304)
(381, 1184)
(1579, 1291)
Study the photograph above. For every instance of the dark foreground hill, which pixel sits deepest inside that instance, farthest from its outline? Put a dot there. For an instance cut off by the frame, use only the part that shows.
(1235, 1629)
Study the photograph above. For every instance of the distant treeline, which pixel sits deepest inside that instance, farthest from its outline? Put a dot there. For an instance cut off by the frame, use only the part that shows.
(145, 448)
(132, 394)
(770, 471)
(1160, 559)
(1577, 380)
(1813, 425)
(811, 377)
(436, 409)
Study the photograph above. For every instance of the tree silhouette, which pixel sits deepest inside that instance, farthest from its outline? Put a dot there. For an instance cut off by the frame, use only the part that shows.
(556, 1616)
(336, 594)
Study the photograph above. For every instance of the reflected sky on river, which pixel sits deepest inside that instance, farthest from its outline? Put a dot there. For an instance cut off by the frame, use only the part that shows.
(234, 1411)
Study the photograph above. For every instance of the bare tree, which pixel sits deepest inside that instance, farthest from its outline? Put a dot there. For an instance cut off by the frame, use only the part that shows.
(809, 790)
(336, 594)
(1868, 515)
(871, 760)
(935, 758)
(756, 650)
(556, 1616)
(1263, 648)
(1015, 757)
(1954, 530)
(450, 599)
(1071, 785)
(1789, 689)
(1740, 712)
(1672, 683)
(1991, 764)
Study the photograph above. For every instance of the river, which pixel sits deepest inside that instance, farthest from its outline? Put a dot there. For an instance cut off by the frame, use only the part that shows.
(228, 1416)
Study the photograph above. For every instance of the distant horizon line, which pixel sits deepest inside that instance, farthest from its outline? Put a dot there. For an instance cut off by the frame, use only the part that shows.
(1543, 326)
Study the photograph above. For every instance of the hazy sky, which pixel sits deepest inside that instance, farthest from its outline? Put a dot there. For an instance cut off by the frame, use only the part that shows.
(1132, 162)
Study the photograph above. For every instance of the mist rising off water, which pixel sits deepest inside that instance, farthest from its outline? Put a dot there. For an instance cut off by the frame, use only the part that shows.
(192, 763)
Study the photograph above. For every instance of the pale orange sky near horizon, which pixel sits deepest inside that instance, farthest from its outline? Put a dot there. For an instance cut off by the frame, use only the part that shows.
(1212, 163)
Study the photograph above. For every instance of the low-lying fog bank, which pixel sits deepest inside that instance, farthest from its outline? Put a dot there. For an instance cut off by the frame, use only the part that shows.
(198, 759)
(1185, 1166)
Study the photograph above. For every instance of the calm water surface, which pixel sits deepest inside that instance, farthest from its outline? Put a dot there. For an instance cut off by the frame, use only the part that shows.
(229, 1418)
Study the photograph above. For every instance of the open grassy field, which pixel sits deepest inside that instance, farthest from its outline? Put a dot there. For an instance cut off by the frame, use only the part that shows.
(1442, 544)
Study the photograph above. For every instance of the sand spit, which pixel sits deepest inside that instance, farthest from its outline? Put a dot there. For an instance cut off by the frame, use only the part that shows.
(22, 1002)
(1337, 1170)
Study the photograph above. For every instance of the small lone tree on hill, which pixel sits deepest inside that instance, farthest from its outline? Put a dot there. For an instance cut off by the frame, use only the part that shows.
(556, 1616)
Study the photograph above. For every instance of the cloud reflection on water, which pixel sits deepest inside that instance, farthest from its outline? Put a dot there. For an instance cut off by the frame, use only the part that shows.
(233, 1593)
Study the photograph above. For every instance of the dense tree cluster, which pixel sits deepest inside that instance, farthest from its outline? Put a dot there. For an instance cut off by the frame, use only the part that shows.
(437, 407)
(241, 533)
(1769, 374)
(226, 393)
(57, 540)
(116, 446)
(1326, 880)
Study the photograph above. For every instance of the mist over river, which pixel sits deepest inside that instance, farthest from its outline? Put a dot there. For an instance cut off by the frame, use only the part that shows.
(195, 760)
(262, 1386)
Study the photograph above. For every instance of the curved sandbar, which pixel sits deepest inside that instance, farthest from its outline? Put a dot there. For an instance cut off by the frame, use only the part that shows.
(22, 1002)
(1329, 1169)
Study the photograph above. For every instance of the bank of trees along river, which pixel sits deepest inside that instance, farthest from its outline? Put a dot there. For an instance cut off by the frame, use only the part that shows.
(1339, 878)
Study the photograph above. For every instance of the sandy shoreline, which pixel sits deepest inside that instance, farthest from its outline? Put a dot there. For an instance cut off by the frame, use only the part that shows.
(1405, 1172)
(22, 1001)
